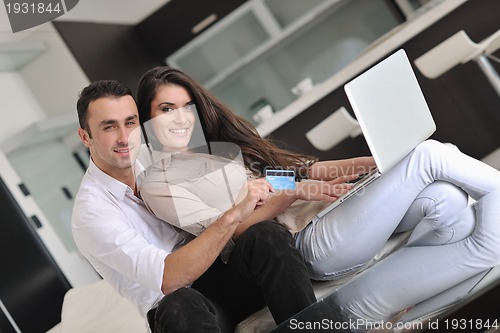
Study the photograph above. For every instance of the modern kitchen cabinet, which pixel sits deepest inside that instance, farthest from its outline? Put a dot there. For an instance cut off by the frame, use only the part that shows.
(32, 285)
(245, 35)
(43, 166)
(462, 101)
(39, 176)
(257, 53)
(179, 21)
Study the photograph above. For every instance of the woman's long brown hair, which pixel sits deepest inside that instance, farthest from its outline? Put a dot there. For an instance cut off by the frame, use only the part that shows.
(220, 124)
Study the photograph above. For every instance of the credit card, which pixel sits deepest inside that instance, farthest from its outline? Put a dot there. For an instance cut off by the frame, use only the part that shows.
(281, 179)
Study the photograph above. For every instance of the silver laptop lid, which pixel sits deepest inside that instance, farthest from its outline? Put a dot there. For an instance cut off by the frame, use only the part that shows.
(390, 109)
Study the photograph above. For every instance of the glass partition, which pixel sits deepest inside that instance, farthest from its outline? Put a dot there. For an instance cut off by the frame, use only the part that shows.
(237, 39)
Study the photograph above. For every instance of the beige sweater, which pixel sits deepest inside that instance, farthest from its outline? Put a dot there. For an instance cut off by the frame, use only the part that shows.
(192, 190)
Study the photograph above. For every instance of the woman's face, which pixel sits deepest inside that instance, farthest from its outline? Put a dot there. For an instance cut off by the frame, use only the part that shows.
(173, 117)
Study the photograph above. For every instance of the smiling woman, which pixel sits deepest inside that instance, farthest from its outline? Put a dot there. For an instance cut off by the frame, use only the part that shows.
(183, 167)
(425, 193)
(173, 115)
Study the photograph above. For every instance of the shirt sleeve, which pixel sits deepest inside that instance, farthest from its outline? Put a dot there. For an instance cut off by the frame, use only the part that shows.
(104, 235)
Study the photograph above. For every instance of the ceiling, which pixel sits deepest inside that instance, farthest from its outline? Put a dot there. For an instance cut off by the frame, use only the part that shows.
(112, 11)
(99, 11)
(15, 51)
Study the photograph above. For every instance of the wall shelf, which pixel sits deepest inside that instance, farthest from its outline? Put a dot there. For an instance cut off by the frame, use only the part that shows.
(15, 55)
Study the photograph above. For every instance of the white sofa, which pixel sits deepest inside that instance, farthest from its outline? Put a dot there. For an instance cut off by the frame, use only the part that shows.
(98, 308)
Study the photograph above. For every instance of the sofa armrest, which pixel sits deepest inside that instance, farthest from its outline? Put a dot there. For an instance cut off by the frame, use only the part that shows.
(98, 308)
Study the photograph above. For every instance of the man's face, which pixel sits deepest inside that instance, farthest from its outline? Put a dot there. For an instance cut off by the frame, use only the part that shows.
(114, 139)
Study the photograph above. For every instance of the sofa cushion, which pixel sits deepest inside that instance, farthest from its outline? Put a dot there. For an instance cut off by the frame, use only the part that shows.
(98, 308)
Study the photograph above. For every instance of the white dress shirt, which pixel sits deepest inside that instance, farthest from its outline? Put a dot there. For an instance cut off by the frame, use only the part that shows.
(122, 240)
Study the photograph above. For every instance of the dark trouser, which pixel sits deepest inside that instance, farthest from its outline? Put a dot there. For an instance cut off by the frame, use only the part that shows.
(264, 268)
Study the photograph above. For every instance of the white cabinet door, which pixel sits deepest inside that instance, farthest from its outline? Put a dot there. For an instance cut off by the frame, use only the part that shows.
(55, 235)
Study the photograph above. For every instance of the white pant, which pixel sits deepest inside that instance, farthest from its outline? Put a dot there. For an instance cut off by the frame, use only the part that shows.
(449, 242)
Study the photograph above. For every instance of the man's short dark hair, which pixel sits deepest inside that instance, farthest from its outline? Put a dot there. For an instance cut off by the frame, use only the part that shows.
(96, 90)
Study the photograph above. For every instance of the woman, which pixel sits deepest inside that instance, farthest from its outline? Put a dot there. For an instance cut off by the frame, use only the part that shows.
(427, 192)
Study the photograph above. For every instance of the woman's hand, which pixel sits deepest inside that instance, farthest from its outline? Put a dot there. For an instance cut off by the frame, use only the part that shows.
(319, 190)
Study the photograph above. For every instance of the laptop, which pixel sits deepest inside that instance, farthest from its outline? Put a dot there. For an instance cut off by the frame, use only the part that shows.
(392, 113)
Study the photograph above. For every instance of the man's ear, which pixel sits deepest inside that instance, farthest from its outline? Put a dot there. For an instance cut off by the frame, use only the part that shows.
(84, 137)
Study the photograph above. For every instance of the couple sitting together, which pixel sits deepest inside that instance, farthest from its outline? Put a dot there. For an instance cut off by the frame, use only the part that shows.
(198, 240)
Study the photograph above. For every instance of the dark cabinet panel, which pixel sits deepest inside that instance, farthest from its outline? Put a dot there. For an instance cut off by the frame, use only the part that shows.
(32, 287)
(107, 51)
(465, 105)
(293, 134)
(5, 325)
(171, 26)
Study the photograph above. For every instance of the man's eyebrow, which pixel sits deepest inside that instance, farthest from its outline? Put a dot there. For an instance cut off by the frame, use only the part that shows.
(114, 121)
(108, 122)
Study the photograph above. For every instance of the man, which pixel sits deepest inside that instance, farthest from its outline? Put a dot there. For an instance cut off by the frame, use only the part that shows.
(180, 284)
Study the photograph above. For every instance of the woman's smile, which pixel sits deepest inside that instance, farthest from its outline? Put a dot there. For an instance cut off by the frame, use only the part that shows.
(179, 131)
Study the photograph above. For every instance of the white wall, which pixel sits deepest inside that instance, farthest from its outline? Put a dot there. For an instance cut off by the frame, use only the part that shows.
(55, 78)
(47, 86)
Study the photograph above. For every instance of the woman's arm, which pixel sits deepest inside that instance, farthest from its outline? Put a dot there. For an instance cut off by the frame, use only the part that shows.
(312, 190)
(328, 170)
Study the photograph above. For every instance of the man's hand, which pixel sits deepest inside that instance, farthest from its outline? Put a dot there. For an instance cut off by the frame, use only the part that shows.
(257, 193)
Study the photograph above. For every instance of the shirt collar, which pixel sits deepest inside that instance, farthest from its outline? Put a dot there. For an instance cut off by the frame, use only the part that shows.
(114, 186)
